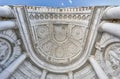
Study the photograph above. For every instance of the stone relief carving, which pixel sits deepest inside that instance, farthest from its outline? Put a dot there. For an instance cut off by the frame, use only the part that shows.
(47, 16)
(9, 48)
(58, 38)
(38, 13)
(60, 43)
(5, 50)
(42, 32)
(27, 70)
(113, 55)
(55, 42)
(77, 33)
(60, 30)
(108, 52)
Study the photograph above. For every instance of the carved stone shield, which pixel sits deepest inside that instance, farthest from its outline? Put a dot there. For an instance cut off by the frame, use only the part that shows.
(57, 44)
(60, 32)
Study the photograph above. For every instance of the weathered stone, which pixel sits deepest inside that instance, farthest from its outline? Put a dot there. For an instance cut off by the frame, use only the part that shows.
(59, 42)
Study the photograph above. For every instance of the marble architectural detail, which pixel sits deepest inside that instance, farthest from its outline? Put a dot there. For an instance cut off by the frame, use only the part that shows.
(59, 10)
(9, 47)
(52, 47)
(112, 13)
(57, 43)
(7, 25)
(105, 40)
(6, 11)
(5, 50)
(106, 26)
(85, 73)
(28, 70)
(7, 72)
(57, 16)
(81, 15)
(107, 54)
(113, 56)
(99, 71)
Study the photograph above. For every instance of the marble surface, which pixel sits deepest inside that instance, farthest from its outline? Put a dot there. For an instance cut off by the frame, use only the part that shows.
(57, 43)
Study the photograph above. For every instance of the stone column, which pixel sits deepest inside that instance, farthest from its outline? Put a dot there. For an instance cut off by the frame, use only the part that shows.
(112, 13)
(6, 73)
(6, 11)
(7, 25)
(99, 71)
(112, 28)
